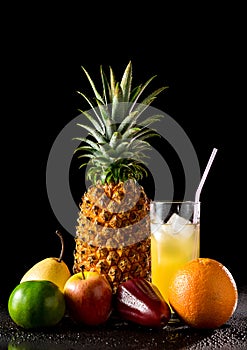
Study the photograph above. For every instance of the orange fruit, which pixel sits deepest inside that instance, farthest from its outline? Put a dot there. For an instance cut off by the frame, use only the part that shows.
(203, 293)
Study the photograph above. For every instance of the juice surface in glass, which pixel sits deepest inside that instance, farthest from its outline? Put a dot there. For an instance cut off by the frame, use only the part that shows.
(170, 249)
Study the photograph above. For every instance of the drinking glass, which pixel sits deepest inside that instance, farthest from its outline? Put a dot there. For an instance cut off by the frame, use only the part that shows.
(175, 239)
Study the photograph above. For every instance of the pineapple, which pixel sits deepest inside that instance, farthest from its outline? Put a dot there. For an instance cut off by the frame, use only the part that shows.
(113, 231)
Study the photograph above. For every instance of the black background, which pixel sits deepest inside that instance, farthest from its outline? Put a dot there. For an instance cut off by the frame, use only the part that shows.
(200, 56)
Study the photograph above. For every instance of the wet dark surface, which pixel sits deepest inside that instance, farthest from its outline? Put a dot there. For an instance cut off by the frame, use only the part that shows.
(117, 334)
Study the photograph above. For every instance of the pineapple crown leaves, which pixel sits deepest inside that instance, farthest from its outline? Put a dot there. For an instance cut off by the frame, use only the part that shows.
(117, 139)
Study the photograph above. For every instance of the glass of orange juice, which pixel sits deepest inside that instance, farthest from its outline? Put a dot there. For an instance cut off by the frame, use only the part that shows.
(175, 239)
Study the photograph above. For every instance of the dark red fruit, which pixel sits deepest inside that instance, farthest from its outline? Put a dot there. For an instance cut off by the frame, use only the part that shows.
(139, 301)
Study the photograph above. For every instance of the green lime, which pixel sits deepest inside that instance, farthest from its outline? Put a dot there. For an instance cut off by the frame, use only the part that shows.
(34, 304)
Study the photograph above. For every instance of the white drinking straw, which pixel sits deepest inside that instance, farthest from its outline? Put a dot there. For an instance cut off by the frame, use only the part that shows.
(198, 191)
